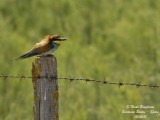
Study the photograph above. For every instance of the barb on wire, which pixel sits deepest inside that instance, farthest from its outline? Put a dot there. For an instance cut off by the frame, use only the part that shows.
(71, 79)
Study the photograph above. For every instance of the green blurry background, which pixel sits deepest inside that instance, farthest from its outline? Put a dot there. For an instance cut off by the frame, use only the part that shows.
(115, 39)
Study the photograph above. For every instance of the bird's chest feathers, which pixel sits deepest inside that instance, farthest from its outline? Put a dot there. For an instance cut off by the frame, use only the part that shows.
(54, 47)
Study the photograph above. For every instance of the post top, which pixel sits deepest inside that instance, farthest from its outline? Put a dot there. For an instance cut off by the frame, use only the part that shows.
(43, 59)
(47, 56)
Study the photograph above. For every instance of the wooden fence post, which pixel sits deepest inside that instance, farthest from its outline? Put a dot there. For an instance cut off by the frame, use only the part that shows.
(45, 84)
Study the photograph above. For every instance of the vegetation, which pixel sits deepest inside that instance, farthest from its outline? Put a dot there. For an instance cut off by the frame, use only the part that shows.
(116, 39)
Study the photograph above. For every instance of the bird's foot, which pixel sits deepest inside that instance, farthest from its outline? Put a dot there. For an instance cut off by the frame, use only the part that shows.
(49, 55)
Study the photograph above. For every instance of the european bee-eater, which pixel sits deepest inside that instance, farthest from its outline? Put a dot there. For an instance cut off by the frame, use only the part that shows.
(45, 47)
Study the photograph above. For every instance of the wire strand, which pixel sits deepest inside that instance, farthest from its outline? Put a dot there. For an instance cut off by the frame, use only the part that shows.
(71, 79)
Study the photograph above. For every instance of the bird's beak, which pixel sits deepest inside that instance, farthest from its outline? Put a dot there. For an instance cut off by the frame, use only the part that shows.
(62, 39)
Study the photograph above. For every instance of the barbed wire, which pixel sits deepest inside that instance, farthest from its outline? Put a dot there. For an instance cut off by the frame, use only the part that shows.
(71, 79)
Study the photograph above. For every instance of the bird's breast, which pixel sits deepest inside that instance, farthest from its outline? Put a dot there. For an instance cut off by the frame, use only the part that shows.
(53, 48)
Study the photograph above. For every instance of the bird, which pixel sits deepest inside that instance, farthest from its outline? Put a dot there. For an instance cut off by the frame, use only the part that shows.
(45, 47)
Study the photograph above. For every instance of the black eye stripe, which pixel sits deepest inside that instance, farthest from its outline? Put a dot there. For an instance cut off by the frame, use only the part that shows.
(57, 40)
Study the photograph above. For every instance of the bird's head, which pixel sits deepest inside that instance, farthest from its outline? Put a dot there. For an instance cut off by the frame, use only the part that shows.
(56, 39)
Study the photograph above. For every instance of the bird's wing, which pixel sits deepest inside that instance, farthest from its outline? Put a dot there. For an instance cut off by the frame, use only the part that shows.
(41, 47)
(38, 49)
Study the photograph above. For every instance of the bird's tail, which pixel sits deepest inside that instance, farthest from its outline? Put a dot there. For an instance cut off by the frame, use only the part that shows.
(26, 55)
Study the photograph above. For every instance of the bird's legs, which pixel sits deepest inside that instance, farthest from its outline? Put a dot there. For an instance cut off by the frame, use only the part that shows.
(48, 55)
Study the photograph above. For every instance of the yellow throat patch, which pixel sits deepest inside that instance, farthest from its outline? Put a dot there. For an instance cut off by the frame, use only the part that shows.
(58, 42)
